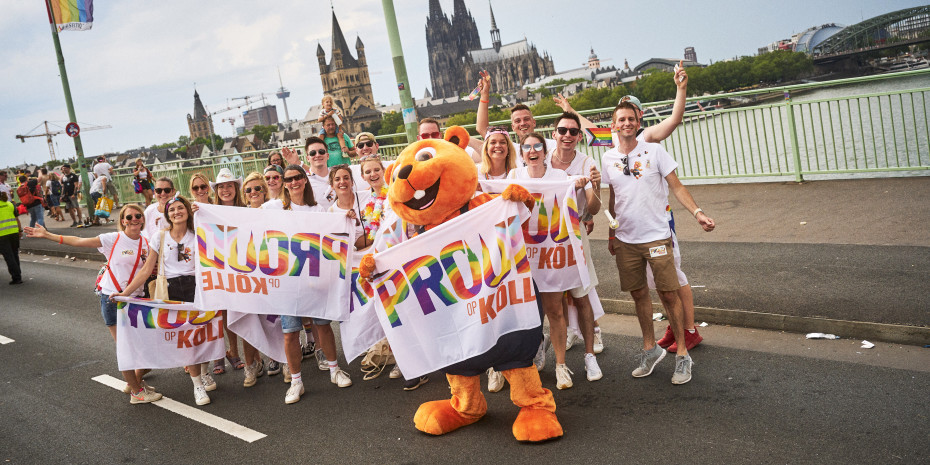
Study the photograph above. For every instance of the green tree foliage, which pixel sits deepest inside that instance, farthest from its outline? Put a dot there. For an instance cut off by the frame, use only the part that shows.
(217, 141)
(183, 141)
(263, 132)
(391, 123)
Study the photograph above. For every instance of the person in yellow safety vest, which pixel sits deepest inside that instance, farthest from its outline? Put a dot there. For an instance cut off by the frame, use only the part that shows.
(10, 230)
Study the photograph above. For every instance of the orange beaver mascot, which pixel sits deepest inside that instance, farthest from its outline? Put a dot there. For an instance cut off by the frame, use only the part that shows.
(433, 181)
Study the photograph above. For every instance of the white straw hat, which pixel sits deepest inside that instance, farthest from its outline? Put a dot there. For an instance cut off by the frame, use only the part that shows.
(225, 175)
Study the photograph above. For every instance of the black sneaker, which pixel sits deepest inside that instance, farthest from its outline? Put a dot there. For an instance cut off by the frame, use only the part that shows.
(308, 350)
(273, 367)
(16, 281)
(74, 224)
(411, 384)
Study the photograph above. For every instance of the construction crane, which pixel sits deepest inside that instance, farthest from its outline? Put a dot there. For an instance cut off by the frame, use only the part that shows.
(249, 98)
(48, 134)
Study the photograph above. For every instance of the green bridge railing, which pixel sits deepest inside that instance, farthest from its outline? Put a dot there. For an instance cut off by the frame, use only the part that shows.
(768, 136)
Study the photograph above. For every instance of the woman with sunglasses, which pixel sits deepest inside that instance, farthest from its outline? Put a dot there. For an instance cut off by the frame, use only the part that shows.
(199, 188)
(179, 245)
(274, 175)
(126, 251)
(533, 149)
(298, 196)
(497, 154)
(155, 213)
(228, 194)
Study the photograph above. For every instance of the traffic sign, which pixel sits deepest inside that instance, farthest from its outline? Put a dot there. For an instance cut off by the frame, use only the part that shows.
(72, 129)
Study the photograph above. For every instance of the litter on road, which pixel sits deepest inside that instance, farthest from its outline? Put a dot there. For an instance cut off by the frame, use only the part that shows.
(822, 336)
(867, 345)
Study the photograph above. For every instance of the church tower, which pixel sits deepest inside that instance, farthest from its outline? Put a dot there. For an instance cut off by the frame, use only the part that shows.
(346, 78)
(445, 67)
(201, 123)
(464, 29)
(495, 32)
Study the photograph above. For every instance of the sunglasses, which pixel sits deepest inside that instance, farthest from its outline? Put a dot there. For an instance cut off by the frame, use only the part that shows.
(132, 216)
(626, 167)
(163, 190)
(535, 147)
(430, 135)
(272, 178)
(248, 190)
(573, 131)
(312, 153)
(291, 179)
(201, 187)
(366, 144)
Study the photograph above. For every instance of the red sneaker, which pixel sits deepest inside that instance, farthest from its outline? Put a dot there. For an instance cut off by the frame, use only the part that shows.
(668, 339)
(691, 341)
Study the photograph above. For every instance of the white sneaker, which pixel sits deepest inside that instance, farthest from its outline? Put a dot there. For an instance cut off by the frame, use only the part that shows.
(286, 373)
(209, 384)
(591, 368)
(540, 359)
(293, 393)
(144, 396)
(200, 396)
(571, 339)
(252, 372)
(395, 373)
(598, 343)
(495, 380)
(321, 361)
(128, 390)
(340, 378)
(563, 376)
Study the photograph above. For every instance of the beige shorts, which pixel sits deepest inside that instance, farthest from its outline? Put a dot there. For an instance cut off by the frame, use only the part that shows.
(582, 291)
(631, 263)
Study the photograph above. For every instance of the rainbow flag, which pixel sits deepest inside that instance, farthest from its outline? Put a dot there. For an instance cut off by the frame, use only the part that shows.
(599, 137)
(73, 15)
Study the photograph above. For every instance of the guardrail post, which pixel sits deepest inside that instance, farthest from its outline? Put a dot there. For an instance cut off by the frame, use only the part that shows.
(794, 141)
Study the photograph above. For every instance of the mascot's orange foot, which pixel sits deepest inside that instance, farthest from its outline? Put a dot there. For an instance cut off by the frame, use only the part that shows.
(535, 425)
(438, 417)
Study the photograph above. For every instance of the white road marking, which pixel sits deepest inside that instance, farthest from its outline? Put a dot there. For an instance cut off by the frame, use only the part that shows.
(208, 419)
(5, 340)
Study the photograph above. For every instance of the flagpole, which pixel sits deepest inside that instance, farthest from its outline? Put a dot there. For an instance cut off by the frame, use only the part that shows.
(79, 150)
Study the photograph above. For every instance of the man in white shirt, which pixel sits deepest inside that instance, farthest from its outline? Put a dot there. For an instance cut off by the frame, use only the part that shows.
(640, 176)
(4, 187)
(318, 172)
(104, 169)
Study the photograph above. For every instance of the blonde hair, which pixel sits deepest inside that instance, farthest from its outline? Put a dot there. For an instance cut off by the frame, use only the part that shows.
(206, 181)
(510, 162)
(122, 214)
(254, 176)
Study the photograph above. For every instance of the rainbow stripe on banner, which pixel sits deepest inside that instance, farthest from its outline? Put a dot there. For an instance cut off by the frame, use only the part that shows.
(73, 15)
(599, 137)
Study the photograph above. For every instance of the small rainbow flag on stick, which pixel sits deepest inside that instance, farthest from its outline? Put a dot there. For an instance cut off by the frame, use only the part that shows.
(73, 15)
(599, 137)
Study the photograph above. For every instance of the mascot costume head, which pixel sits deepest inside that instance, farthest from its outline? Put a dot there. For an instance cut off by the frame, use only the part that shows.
(434, 181)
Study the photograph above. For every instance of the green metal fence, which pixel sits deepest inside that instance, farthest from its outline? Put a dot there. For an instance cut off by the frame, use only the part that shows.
(775, 137)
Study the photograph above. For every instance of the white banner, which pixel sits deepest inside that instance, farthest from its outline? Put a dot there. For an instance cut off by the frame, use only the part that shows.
(448, 294)
(273, 261)
(362, 330)
(552, 234)
(262, 331)
(156, 334)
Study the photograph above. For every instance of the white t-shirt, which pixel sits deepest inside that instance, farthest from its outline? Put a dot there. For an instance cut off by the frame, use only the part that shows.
(488, 176)
(580, 166)
(173, 266)
(97, 186)
(154, 222)
(121, 263)
(640, 198)
(278, 204)
(359, 230)
(551, 174)
(9, 191)
(322, 193)
(102, 169)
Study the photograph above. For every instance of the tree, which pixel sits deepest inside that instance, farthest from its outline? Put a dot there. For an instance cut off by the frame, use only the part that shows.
(218, 141)
(263, 132)
(183, 141)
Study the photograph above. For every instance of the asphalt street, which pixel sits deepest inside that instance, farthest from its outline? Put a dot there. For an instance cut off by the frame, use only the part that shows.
(756, 397)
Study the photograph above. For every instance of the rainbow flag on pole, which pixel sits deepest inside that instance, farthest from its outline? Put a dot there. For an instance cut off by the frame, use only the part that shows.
(599, 137)
(73, 15)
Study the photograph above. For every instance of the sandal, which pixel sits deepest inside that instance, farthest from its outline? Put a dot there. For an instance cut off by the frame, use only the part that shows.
(219, 367)
(236, 362)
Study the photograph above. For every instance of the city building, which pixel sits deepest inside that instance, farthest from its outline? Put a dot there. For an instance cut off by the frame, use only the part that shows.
(201, 124)
(346, 79)
(804, 41)
(456, 55)
(264, 116)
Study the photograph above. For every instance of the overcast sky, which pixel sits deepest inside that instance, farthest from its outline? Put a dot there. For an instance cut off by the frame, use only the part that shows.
(136, 69)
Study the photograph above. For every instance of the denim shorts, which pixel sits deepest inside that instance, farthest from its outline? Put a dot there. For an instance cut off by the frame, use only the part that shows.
(108, 310)
(293, 324)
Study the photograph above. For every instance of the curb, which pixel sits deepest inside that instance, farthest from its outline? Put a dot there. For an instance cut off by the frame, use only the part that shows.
(91, 256)
(897, 334)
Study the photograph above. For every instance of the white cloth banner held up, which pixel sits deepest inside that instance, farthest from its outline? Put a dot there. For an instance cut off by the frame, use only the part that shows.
(552, 234)
(262, 331)
(362, 330)
(448, 294)
(156, 334)
(253, 260)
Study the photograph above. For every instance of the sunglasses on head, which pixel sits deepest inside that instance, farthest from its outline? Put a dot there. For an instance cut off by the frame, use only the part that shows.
(312, 153)
(535, 147)
(131, 216)
(626, 167)
(430, 135)
(365, 144)
(291, 179)
(163, 190)
(573, 131)
(199, 187)
(248, 190)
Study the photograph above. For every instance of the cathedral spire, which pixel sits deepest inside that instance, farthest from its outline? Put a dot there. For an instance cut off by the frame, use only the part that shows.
(495, 32)
(341, 51)
(435, 10)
